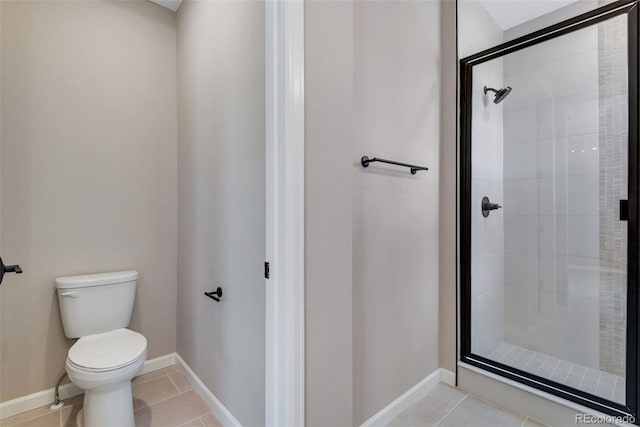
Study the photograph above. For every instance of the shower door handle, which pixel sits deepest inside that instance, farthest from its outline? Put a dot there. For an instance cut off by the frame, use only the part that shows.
(487, 206)
(624, 210)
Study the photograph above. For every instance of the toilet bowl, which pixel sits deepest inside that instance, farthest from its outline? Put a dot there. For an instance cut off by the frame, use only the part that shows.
(103, 366)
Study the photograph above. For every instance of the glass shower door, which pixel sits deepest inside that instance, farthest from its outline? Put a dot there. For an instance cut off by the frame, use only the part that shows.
(545, 210)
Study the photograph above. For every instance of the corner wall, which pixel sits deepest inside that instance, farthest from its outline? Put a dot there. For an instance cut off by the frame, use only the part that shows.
(221, 210)
(447, 256)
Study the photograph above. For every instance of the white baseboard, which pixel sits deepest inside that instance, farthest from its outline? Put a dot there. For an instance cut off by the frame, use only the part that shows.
(36, 400)
(68, 390)
(158, 363)
(217, 408)
(411, 396)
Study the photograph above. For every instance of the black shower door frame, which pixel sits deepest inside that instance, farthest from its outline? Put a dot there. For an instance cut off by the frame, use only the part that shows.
(631, 9)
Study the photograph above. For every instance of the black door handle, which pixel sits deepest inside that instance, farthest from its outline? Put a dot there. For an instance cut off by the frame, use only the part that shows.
(8, 269)
(215, 295)
(487, 206)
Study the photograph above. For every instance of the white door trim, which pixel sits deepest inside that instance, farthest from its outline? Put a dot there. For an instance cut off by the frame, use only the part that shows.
(284, 65)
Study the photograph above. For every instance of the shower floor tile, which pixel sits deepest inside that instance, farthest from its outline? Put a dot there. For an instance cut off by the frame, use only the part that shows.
(449, 406)
(599, 383)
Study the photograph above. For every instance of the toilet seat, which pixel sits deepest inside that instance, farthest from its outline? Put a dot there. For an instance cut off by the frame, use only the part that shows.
(107, 351)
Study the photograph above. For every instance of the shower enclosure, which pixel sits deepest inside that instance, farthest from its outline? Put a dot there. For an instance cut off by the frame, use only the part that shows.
(549, 209)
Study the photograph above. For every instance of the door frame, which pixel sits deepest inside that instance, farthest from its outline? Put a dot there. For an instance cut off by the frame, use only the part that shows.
(631, 8)
(285, 338)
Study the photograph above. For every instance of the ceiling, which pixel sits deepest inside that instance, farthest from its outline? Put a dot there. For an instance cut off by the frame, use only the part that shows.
(510, 13)
(507, 13)
(169, 4)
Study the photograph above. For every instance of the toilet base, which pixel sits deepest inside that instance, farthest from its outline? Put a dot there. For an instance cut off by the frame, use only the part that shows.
(108, 400)
(108, 407)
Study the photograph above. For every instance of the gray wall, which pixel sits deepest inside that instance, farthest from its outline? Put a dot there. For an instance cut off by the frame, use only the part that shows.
(221, 217)
(88, 170)
(372, 87)
(330, 162)
(395, 219)
(448, 187)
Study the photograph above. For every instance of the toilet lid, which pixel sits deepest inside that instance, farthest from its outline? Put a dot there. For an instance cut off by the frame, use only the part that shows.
(109, 350)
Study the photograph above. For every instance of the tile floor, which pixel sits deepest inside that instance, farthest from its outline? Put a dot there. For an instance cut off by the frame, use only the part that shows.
(162, 398)
(592, 381)
(446, 406)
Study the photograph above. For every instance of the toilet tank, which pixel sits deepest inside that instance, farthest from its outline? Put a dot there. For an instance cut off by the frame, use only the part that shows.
(96, 303)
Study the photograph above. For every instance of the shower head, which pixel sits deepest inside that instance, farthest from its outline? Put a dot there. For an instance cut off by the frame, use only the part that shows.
(501, 94)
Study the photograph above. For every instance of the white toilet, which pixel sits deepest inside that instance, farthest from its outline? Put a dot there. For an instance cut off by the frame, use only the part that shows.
(96, 308)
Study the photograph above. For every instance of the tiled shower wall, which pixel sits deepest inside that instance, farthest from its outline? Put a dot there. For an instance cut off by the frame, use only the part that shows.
(487, 265)
(487, 248)
(613, 137)
(551, 235)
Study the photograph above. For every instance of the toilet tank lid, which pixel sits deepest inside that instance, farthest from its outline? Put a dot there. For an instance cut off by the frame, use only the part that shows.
(87, 280)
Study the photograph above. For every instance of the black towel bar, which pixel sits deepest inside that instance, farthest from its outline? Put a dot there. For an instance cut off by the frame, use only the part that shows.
(414, 168)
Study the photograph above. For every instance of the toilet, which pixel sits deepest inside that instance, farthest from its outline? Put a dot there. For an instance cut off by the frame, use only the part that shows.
(96, 309)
